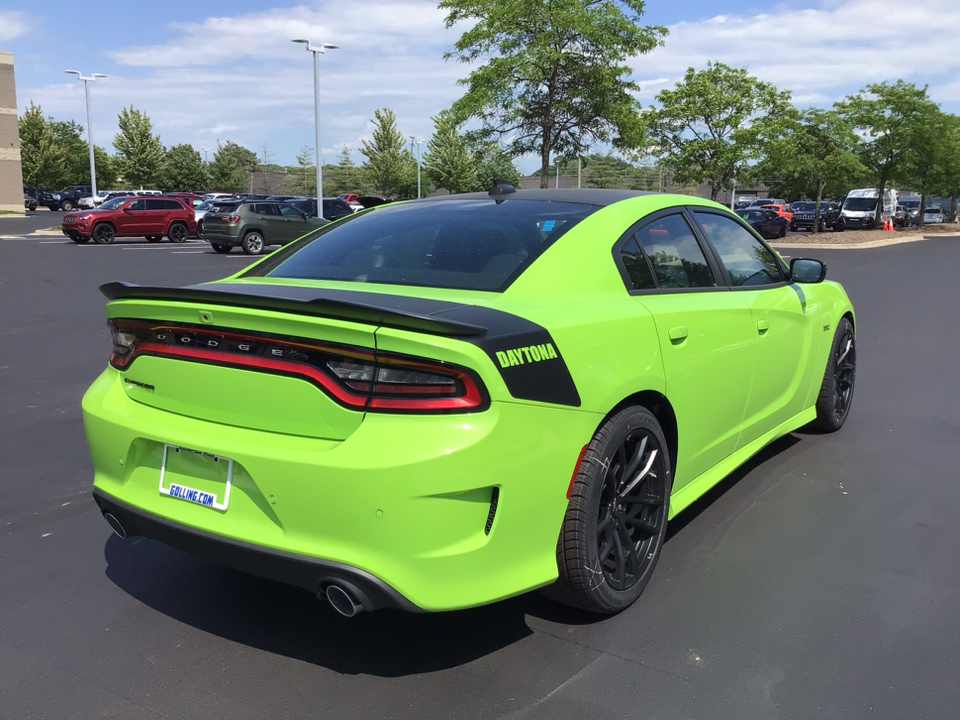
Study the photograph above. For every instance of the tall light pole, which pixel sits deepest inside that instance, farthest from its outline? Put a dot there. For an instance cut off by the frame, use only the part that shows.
(418, 142)
(86, 90)
(317, 50)
(206, 158)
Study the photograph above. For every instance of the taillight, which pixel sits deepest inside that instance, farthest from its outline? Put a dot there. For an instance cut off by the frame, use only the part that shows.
(356, 377)
(231, 218)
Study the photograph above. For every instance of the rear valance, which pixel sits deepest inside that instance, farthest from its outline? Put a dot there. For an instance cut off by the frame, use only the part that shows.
(372, 308)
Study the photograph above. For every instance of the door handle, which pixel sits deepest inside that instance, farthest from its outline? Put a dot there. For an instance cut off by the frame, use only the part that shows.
(678, 334)
(763, 326)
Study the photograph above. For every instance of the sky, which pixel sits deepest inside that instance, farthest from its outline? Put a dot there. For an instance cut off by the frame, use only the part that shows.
(209, 72)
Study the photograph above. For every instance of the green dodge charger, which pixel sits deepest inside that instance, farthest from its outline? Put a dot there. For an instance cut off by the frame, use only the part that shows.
(442, 403)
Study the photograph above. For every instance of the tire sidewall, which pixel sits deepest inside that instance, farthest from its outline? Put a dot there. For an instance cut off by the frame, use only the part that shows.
(96, 234)
(246, 244)
(591, 475)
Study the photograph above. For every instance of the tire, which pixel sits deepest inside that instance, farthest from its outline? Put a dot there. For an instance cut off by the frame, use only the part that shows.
(610, 541)
(839, 379)
(154, 238)
(66, 205)
(222, 249)
(104, 234)
(178, 232)
(783, 231)
(79, 239)
(253, 243)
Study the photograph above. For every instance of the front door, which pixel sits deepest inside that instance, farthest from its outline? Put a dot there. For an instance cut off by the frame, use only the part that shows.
(782, 329)
(707, 344)
(132, 220)
(295, 224)
(272, 226)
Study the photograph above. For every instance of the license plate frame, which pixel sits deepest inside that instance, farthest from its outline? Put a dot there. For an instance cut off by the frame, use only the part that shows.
(203, 498)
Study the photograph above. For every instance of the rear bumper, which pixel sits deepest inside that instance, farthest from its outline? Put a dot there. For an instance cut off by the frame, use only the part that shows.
(313, 574)
(220, 239)
(442, 511)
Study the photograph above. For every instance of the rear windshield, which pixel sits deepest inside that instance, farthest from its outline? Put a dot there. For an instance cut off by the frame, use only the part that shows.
(860, 204)
(477, 244)
(804, 206)
(224, 207)
(749, 215)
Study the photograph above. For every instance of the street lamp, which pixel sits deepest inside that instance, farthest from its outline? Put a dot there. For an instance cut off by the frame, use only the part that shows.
(86, 90)
(320, 49)
(418, 142)
(206, 158)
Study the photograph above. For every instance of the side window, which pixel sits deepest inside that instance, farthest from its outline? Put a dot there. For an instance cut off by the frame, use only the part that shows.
(769, 215)
(172, 205)
(745, 258)
(265, 209)
(289, 211)
(140, 204)
(155, 204)
(677, 259)
(636, 266)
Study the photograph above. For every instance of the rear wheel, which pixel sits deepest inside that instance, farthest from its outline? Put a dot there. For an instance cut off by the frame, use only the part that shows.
(617, 516)
(104, 234)
(783, 231)
(836, 390)
(222, 249)
(178, 233)
(252, 243)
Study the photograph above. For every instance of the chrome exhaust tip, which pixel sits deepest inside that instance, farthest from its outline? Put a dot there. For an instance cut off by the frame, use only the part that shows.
(343, 600)
(114, 523)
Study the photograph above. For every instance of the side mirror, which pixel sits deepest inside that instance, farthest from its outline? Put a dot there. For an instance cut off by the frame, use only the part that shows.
(127, 209)
(805, 270)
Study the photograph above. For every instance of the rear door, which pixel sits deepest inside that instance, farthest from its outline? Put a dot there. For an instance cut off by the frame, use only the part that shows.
(781, 327)
(705, 333)
(271, 224)
(158, 214)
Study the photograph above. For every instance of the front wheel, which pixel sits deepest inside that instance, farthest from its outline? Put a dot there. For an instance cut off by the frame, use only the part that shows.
(178, 233)
(222, 249)
(616, 519)
(66, 206)
(836, 390)
(252, 243)
(104, 234)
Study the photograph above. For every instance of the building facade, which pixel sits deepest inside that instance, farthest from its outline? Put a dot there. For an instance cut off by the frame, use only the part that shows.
(11, 173)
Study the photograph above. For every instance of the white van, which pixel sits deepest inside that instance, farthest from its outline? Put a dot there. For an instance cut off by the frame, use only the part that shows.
(859, 208)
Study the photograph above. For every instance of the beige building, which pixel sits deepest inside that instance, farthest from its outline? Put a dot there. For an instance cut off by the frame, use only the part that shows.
(11, 174)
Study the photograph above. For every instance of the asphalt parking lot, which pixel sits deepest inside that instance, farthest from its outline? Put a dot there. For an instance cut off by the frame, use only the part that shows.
(822, 580)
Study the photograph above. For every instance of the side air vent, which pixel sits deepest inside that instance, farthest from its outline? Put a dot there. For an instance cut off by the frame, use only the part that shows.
(494, 500)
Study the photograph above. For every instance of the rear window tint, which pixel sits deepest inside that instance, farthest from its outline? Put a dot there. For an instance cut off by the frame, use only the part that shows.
(476, 244)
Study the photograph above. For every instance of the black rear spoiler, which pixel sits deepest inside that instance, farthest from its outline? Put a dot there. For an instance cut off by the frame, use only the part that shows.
(372, 308)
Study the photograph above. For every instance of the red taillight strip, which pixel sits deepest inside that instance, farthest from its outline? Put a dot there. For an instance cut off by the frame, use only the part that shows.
(576, 470)
(254, 362)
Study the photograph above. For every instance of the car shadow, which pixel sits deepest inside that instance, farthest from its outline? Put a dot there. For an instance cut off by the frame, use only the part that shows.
(289, 621)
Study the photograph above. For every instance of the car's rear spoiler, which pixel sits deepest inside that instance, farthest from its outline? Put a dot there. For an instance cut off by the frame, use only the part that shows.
(373, 308)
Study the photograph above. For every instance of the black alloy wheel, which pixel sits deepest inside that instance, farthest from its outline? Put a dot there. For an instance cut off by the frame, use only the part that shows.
(222, 249)
(839, 379)
(178, 233)
(617, 516)
(104, 234)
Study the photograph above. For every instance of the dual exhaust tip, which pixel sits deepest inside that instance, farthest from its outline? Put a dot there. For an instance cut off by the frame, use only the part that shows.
(344, 598)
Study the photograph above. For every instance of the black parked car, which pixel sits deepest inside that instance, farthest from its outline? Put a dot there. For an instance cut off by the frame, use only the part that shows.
(804, 213)
(68, 198)
(766, 222)
(333, 208)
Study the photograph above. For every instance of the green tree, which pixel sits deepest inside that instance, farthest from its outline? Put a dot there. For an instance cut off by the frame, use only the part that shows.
(448, 163)
(389, 164)
(77, 157)
(183, 169)
(702, 127)
(231, 168)
(492, 161)
(812, 151)
(889, 117)
(305, 177)
(41, 155)
(344, 177)
(951, 163)
(553, 80)
(139, 151)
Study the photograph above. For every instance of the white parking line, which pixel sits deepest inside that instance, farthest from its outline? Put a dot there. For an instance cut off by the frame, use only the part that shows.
(187, 252)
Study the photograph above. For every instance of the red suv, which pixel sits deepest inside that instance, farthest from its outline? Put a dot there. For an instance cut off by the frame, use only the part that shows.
(149, 217)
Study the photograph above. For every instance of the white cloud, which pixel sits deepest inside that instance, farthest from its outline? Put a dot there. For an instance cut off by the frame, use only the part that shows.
(819, 54)
(13, 24)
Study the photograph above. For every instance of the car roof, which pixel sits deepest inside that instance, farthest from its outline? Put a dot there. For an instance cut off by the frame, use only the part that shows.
(585, 196)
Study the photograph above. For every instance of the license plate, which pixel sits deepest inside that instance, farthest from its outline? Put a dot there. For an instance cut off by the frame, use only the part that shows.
(194, 476)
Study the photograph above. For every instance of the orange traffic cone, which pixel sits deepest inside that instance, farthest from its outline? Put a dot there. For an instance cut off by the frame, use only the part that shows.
(888, 224)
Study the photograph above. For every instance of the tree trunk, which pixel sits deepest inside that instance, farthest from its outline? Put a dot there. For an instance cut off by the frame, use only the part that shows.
(953, 208)
(714, 191)
(545, 159)
(816, 210)
(878, 216)
(923, 205)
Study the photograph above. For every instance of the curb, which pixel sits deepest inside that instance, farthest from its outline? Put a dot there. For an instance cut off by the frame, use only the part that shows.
(864, 245)
(45, 233)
